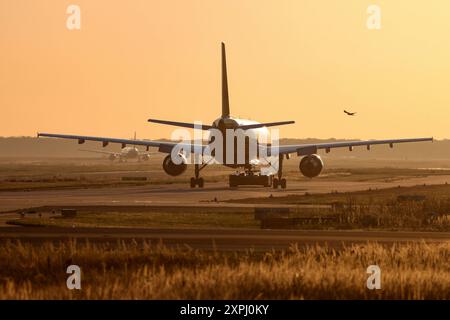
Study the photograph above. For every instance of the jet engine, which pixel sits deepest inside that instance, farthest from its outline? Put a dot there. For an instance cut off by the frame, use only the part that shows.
(173, 169)
(112, 157)
(311, 165)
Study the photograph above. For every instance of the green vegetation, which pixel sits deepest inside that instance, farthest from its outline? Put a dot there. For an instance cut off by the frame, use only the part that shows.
(141, 271)
(364, 174)
(82, 173)
(155, 219)
(361, 197)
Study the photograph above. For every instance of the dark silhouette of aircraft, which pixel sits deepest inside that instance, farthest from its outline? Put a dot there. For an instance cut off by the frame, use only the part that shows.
(349, 113)
(310, 164)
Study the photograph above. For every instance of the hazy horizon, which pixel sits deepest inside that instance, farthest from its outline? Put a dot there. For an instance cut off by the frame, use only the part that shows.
(164, 138)
(46, 147)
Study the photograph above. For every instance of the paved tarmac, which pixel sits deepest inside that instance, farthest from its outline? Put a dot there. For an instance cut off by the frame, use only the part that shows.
(182, 194)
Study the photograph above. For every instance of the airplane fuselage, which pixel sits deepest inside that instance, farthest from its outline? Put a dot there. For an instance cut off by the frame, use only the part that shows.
(251, 136)
(129, 153)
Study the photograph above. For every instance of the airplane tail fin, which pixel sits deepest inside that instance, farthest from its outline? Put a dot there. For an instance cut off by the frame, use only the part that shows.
(225, 101)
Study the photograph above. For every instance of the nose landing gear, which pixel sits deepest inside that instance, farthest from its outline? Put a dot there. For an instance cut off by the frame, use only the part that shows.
(197, 181)
(279, 182)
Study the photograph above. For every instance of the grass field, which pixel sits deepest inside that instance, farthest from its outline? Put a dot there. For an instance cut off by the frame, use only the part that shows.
(141, 271)
(361, 197)
(176, 219)
(48, 174)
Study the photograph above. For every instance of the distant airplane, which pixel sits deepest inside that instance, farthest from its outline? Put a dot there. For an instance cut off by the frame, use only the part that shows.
(350, 113)
(310, 165)
(124, 155)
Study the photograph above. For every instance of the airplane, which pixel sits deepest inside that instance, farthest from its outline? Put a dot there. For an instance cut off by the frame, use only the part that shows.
(350, 113)
(310, 164)
(124, 154)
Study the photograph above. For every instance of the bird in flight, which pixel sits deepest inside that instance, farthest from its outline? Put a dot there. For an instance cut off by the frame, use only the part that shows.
(349, 113)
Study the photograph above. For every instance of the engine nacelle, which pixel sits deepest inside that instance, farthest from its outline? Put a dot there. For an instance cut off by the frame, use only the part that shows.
(311, 166)
(112, 157)
(173, 169)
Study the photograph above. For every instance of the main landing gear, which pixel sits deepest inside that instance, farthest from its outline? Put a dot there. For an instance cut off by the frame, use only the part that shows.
(249, 178)
(197, 181)
(279, 182)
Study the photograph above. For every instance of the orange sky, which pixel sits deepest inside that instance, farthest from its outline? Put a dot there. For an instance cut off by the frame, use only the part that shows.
(302, 60)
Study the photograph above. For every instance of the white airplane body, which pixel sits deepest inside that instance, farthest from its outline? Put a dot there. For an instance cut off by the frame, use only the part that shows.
(125, 154)
(310, 164)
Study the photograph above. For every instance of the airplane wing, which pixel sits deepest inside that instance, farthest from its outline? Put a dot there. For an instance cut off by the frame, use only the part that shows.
(306, 149)
(165, 147)
(300, 149)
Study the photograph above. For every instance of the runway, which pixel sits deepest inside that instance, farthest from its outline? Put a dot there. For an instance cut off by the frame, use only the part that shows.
(182, 194)
(223, 239)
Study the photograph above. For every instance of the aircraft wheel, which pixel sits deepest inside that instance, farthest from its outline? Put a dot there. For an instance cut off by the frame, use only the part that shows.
(200, 182)
(275, 183)
(283, 183)
(193, 182)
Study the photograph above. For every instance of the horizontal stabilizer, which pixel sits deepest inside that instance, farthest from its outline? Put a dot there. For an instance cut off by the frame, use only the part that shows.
(181, 124)
(267, 124)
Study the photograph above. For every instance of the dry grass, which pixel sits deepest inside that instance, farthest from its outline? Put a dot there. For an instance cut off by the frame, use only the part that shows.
(433, 214)
(141, 271)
